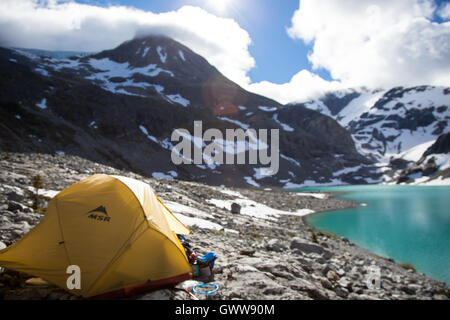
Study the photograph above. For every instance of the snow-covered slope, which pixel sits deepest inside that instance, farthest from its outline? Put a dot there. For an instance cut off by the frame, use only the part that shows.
(393, 127)
(386, 123)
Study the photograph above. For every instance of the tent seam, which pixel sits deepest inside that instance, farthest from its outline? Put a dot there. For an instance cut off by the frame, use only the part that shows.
(115, 259)
(61, 231)
(117, 256)
(151, 226)
(159, 200)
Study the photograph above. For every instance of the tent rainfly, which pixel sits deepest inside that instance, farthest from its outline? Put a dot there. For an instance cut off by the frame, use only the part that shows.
(114, 229)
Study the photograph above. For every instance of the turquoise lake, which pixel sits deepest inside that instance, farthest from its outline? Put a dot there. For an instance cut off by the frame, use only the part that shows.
(410, 224)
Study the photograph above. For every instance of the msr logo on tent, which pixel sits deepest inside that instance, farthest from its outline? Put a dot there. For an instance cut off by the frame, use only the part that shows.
(99, 214)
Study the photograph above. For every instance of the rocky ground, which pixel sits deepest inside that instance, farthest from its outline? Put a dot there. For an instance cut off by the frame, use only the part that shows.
(261, 255)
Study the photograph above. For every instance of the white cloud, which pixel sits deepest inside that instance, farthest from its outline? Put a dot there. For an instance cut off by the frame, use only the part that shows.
(381, 43)
(56, 25)
(444, 11)
(302, 87)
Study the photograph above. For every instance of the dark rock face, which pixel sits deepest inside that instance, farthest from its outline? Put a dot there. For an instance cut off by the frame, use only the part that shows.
(385, 123)
(397, 114)
(442, 145)
(335, 104)
(429, 168)
(119, 107)
(426, 165)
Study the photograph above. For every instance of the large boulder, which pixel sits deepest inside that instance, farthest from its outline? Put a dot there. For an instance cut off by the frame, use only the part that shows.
(16, 196)
(275, 245)
(301, 246)
(235, 208)
(16, 206)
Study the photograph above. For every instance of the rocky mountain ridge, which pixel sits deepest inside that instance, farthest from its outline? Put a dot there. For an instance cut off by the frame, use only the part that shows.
(393, 127)
(120, 107)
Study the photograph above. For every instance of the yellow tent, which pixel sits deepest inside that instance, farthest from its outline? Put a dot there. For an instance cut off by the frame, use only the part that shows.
(115, 229)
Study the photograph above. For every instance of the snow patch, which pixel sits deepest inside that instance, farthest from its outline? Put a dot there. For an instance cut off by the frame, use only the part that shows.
(267, 109)
(145, 52)
(415, 153)
(347, 170)
(312, 183)
(144, 131)
(236, 122)
(181, 54)
(437, 182)
(161, 175)
(261, 173)
(283, 125)
(178, 99)
(44, 192)
(42, 72)
(290, 160)
(312, 194)
(162, 55)
(257, 210)
(42, 104)
(250, 181)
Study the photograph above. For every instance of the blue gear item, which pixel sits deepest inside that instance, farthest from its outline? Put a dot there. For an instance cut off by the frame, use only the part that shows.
(208, 258)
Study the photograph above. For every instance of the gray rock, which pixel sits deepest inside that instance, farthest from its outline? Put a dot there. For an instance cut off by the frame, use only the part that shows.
(341, 292)
(305, 247)
(300, 246)
(355, 296)
(274, 291)
(408, 290)
(340, 272)
(312, 291)
(325, 270)
(15, 206)
(275, 245)
(326, 283)
(235, 208)
(15, 196)
(345, 282)
(157, 295)
(332, 276)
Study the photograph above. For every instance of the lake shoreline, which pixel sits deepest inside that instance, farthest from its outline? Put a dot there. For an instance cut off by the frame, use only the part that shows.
(278, 257)
(395, 201)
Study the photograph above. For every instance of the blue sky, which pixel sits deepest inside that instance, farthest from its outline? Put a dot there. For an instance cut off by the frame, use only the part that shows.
(288, 50)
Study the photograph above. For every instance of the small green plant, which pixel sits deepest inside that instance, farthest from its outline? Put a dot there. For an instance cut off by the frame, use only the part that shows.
(291, 234)
(37, 184)
(444, 292)
(314, 237)
(328, 235)
(408, 266)
(39, 210)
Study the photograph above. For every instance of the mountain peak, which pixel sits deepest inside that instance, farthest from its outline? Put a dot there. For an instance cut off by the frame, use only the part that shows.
(142, 51)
